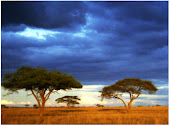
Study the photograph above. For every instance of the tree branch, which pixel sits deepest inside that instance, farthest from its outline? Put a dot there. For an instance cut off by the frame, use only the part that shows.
(130, 95)
(122, 101)
(8, 93)
(29, 94)
(48, 94)
(137, 95)
(55, 92)
(36, 98)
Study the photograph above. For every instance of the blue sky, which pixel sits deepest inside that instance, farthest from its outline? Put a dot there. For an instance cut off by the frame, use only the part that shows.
(97, 42)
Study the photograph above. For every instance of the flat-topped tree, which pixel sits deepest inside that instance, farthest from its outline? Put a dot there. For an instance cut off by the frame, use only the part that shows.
(99, 105)
(69, 100)
(40, 82)
(133, 86)
(35, 106)
(27, 105)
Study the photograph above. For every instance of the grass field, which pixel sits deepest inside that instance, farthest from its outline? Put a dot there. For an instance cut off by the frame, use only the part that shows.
(86, 115)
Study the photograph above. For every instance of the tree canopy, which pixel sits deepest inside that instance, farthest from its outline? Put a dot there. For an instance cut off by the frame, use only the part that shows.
(69, 100)
(29, 78)
(40, 82)
(35, 106)
(133, 86)
(27, 105)
(99, 105)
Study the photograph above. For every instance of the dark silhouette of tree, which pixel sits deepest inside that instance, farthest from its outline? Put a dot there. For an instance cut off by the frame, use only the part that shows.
(4, 106)
(98, 105)
(40, 82)
(133, 86)
(35, 106)
(27, 105)
(69, 100)
(158, 105)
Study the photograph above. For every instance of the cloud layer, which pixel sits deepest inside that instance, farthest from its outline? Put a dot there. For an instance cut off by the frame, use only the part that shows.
(43, 14)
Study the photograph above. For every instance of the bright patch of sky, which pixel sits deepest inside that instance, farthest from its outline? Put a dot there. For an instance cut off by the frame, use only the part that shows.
(43, 33)
(79, 35)
(163, 87)
(37, 33)
(6, 102)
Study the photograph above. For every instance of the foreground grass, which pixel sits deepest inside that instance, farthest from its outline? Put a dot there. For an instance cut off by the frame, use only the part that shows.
(86, 115)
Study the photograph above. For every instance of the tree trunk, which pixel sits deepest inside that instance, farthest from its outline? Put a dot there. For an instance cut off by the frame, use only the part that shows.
(68, 105)
(73, 105)
(44, 98)
(39, 105)
(129, 105)
(124, 104)
(132, 98)
(38, 101)
(42, 107)
(42, 102)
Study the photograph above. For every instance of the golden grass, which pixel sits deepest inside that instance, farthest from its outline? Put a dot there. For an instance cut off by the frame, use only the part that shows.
(86, 115)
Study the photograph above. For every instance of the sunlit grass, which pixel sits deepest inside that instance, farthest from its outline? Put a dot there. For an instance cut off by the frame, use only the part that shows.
(86, 115)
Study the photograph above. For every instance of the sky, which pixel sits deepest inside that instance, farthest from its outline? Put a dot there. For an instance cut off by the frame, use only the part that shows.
(98, 43)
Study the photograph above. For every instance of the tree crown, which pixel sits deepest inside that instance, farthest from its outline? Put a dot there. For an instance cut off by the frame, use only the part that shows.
(130, 85)
(29, 78)
(68, 99)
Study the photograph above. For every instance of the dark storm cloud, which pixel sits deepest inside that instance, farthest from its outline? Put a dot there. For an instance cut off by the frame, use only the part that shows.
(13, 28)
(138, 44)
(143, 26)
(145, 11)
(43, 14)
(127, 18)
(114, 40)
(31, 51)
(133, 10)
(87, 64)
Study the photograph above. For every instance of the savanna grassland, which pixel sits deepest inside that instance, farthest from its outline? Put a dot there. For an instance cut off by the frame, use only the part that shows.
(86, 115)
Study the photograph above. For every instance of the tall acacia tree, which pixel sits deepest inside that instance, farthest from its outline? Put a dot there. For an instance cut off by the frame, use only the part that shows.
(40, 82)
(69, 100)
(133, 86)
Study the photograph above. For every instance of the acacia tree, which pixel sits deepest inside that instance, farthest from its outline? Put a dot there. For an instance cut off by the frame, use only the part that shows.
(69, 100)
(35, 106)
(133, 86)
(40, 82)
(27, 105)
(99, 105)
